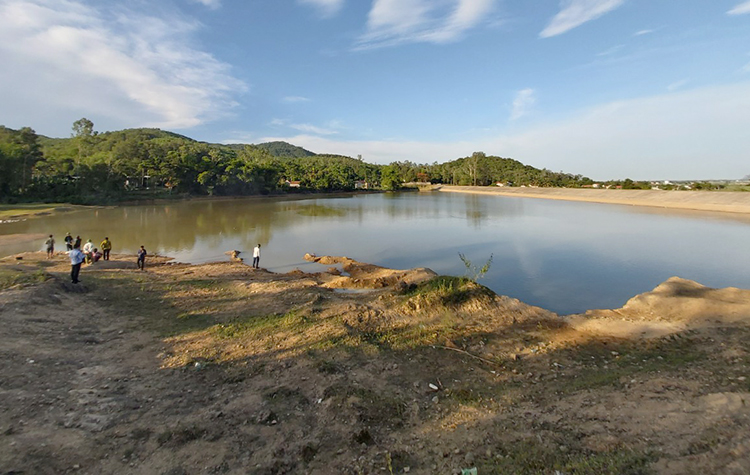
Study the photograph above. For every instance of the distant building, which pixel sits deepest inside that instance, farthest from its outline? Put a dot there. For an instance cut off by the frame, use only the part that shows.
(292, 184)
(361, 185)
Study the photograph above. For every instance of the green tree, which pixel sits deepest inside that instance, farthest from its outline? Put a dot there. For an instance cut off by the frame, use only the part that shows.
(389, 179)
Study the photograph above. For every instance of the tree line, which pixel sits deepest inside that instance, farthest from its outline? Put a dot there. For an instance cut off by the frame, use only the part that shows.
(93, 167)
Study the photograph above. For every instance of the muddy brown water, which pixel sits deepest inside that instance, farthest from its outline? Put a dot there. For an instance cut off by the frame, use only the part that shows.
(564, 256)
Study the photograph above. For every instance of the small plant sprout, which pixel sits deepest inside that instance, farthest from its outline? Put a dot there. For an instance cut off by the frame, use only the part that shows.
(472, 272)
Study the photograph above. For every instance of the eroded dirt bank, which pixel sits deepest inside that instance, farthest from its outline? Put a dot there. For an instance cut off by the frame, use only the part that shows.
(219, 368)
(725, 202)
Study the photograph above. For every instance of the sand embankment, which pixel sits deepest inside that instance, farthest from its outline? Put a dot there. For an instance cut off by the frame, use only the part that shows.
(727, 202)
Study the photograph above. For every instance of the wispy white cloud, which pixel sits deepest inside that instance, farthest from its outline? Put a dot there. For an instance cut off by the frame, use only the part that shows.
(740, 9)
(294, 99)
(392, 22)
(611, 51)
(331, 128)
(677, 85)
(70, 58)
(668, 136)
(525, 99)
(212, 4)
(313, 129)
(643, 32)
(327, 8)
(574, 13)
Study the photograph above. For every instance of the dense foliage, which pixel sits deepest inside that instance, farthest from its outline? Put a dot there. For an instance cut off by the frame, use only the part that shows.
(92, 167)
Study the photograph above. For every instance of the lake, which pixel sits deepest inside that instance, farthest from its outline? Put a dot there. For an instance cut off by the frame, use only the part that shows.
(564, 256)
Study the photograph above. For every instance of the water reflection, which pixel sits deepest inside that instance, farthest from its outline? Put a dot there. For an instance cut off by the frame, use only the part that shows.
(564, 256)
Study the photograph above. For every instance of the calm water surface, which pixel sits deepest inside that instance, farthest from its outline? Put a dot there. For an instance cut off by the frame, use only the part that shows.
(564, 256)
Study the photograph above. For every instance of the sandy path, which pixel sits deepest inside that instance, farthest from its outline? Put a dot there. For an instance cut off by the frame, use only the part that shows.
(727, 202)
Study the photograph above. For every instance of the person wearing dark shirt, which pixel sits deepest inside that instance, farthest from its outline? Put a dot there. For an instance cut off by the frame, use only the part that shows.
(141, 258)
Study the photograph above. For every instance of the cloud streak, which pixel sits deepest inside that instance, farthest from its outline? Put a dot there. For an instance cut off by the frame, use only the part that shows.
(575, 13)
(740, 9)
(327, 8)
(524, 100)
(295, 99)
(129, 67)
(212, 4)
(392, 22)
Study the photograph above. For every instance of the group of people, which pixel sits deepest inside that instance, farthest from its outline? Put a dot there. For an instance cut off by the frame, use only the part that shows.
(88, 253)
(91, 254)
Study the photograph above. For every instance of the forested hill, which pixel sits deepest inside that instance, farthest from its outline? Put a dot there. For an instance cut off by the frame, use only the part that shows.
(283, 149)
(92, 167)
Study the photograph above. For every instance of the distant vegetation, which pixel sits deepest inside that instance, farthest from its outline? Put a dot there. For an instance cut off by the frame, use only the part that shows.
(93, 167)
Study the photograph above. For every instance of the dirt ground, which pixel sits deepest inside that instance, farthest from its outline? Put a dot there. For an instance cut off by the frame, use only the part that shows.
(220, 368)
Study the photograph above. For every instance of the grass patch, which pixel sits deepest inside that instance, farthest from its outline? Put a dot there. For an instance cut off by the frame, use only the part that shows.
(605, 364)
(260, 326)
(9, 278)
(373, 408)
(448, 290)
(529, 458)
(181, 435)
(12, 210)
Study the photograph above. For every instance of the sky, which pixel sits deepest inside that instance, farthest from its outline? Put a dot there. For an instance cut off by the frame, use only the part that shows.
(610, 89)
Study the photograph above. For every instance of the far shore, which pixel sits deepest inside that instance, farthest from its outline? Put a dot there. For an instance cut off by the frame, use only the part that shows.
(714, 201)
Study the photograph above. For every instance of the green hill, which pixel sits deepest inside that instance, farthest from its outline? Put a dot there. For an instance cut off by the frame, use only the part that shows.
(94, 167)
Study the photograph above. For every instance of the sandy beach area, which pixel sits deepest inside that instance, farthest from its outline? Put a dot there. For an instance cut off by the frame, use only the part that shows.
(725, 202)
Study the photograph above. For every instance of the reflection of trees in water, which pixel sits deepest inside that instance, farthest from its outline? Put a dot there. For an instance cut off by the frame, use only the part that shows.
(183, 225)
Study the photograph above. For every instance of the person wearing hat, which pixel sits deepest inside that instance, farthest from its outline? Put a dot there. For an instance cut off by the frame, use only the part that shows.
(88, 250)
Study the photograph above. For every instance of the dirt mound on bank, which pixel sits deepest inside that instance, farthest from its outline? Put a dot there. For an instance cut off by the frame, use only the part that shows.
(359, 275)
(675, 305)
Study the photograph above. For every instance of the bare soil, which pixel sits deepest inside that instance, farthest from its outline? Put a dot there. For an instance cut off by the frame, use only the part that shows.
(220, 368)
(734, 204)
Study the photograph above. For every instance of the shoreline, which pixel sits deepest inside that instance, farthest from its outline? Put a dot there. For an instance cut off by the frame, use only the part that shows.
(721, 202)
(13, 213)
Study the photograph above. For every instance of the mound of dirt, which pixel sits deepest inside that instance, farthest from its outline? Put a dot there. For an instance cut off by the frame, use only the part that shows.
(675, 305)
(360, 275)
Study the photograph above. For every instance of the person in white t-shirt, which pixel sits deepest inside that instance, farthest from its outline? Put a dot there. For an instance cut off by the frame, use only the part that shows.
(256, 257)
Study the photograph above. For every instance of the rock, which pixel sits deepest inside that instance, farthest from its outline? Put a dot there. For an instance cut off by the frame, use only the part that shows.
(266, 416)
(469, 457)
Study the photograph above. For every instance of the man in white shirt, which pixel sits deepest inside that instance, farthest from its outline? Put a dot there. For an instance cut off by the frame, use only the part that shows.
(256, 257)
(76, 259)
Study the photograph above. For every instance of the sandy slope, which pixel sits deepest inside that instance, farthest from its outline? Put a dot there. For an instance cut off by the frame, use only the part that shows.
(729, 202)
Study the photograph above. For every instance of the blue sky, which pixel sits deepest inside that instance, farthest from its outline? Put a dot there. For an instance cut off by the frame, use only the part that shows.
(646, 89)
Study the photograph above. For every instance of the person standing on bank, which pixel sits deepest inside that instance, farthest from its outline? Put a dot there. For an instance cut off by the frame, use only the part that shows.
(50, 245)
(141, 258)
(77, 242)
(256, 257)
(76, 259)
(106, 247)
(69, 242)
